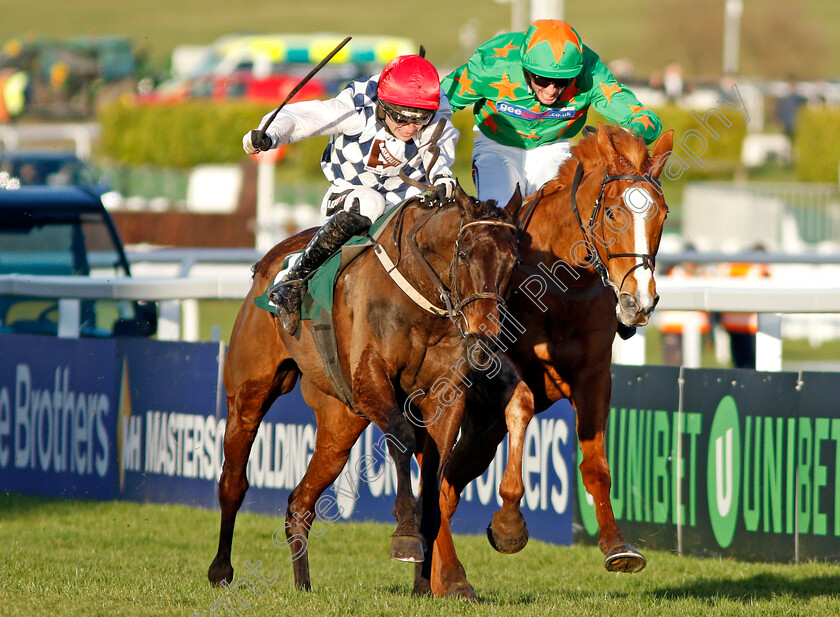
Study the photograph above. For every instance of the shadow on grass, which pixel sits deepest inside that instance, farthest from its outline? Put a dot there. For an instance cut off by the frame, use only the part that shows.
(757, 587)
(507, 598)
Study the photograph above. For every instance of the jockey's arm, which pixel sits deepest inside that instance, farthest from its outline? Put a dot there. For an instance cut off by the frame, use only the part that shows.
(463, 86)
(619, 105)
(306, 119)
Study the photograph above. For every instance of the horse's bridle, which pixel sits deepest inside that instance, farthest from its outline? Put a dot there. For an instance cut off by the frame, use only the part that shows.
(648, 260)
(448, 295)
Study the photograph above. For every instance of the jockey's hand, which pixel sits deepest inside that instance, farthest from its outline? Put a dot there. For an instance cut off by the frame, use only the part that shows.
(252, 145)
(442, 192)
(448, 186)
(433, 197)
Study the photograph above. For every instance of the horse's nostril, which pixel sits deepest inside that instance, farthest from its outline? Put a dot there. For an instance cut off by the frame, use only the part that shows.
(628, 303)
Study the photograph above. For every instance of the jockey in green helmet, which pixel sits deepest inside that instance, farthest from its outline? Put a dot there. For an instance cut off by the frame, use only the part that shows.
(530, 92)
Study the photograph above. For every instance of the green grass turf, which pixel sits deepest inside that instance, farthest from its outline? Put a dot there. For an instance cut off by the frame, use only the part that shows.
(116, 558)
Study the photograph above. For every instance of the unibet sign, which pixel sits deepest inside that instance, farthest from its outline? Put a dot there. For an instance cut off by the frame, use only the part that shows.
(723, 472)
(752, 473)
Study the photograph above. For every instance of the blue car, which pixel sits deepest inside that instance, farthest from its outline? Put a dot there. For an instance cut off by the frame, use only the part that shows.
(64, 231)
(50, 168)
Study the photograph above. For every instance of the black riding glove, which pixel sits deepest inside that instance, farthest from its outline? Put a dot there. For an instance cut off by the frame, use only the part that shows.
(253, 142)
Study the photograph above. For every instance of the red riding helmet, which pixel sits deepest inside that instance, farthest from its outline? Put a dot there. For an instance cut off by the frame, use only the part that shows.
(410, 81)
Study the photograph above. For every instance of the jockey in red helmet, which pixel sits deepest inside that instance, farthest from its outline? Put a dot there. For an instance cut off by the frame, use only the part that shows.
(381, 130)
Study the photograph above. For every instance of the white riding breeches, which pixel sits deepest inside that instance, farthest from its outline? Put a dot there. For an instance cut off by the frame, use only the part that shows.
(364, 200)
(497, 169)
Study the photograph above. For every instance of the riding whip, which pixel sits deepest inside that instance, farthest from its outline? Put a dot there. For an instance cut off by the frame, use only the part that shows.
(296, 89)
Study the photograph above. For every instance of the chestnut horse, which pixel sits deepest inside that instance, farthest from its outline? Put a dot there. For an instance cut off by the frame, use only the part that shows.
(588, 242)
(388, 345)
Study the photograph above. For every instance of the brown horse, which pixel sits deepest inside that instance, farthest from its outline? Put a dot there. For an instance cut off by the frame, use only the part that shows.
(588, 242)
(388, 345)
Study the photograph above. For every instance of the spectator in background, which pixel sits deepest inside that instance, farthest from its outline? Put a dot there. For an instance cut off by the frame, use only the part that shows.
(672, 82)
(674, 324)
(29, 175)
(742, 327)
(787, 109)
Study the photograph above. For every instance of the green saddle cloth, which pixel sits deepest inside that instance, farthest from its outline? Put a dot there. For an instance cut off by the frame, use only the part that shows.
(321, 286)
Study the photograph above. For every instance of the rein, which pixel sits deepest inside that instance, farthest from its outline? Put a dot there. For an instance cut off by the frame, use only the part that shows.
(434, 150)
(454, 306)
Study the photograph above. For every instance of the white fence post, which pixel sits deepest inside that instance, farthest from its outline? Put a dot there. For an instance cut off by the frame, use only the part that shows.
(692, 341)
(69, 316)
(169, 320)
(190, 317)
(631, 351)
(768, 342)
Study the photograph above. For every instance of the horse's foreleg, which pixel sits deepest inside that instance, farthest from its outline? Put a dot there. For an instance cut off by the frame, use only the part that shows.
(595, 473)
(375, 398)
(429, 509)
(507, 531)
(338, 430)
(448, 577)
(443, 573)
(405, 541)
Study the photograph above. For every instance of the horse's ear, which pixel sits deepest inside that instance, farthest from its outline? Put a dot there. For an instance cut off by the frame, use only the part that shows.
(661, 151)
(459, 192)
(464, 202)
(605, 144)
(511, 210)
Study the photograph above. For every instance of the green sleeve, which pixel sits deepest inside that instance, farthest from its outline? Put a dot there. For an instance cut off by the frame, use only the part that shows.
(618, 104)
(463, 86)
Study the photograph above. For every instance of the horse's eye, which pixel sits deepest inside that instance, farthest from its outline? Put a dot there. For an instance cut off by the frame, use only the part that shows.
(610, 214)
(462, 255)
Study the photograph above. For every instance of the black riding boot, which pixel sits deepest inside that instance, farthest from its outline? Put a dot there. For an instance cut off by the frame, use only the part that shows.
(287, 293)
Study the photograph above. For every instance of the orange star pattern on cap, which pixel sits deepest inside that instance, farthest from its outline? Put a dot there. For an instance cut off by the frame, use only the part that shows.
(556, 33)
(610, 90)
(502, 52)
(506, 87)
(637, 108)
(465, 82)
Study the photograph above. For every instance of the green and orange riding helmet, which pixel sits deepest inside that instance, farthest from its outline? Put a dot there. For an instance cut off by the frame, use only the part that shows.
(552, 49)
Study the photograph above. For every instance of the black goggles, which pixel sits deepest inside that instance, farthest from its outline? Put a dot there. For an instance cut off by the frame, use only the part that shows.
(545, 82)
(420, 117)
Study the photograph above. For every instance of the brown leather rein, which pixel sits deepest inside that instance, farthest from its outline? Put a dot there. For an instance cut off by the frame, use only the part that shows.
(454, 305)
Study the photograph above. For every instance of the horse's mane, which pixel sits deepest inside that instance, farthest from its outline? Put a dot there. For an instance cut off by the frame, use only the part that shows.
(488, 210)
(485, 210)
(632, 154)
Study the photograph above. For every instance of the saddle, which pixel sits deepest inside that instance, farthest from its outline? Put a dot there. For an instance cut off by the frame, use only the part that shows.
(317, 305)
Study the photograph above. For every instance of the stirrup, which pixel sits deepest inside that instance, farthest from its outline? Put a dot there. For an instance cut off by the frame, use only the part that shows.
(287, 298)
(280, 293)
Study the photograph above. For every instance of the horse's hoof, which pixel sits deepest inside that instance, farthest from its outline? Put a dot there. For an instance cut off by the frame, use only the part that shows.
(462, 590)
(507, 534)
(422, 587)
(625, 558)
(219, 574)
(407, 548)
